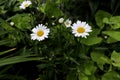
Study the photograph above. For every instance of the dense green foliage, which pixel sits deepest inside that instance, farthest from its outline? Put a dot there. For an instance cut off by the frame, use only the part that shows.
(61, 56)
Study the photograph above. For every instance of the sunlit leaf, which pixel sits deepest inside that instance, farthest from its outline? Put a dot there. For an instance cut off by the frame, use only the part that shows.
(115, 57)
(111, 76)
(99, 58)
(113, 34)
(100, 15)
(82, 76)
(91, 41)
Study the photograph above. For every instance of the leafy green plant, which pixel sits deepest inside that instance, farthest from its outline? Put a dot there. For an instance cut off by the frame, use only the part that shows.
(59, 40)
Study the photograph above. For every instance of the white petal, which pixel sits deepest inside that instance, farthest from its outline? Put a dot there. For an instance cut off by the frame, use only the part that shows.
(34, 30)
(40, 27)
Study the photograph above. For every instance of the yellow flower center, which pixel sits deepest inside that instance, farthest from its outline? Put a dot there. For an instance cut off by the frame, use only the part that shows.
(40, 33)
(26, 5)
(80, 30)
(67, 23)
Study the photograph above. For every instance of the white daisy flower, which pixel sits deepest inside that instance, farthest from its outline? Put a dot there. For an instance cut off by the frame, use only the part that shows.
(40, 32)
(67, 23)
(25, 4)
(61, 20)
(81, 29)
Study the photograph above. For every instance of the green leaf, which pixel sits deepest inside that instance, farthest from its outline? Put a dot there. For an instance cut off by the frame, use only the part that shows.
(115, 57)
(95, 32)
(3, 32)
(4, 52)
(92, 77)
(111, 40)
(82, 76)
(99, 58)
(22, 21)
(73, 60)
(4, 42)
(91, 41)
(5, 25)
(115, 26)
(89, 68)
(115, 22)
(113, 34)
(100, 15)
(106, 20)
(51, 9)
(111, 76)
(18, 59)
(42, 8)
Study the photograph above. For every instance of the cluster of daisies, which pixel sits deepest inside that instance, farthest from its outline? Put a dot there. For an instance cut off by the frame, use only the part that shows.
(40, 32)
(79, 29)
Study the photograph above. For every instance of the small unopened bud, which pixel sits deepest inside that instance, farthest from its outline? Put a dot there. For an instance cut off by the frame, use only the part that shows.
(105, 37)
(61, 20)
(53, 23)
(11, 23)
(53, 16)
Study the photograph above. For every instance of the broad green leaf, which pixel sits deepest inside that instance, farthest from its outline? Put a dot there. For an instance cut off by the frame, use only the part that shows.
(106, 20)
(82, 76)
(51, 9)
(94, 33)
(91, 41)
(113, 34)
(42, 8)
(100, 15)
(86, 70)
(116, 26)
(111, 76)
(115, 57)
(111, 40)
(99, 58)
(92, 77)
(115, 22)
(89, 68)
(115, 19)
